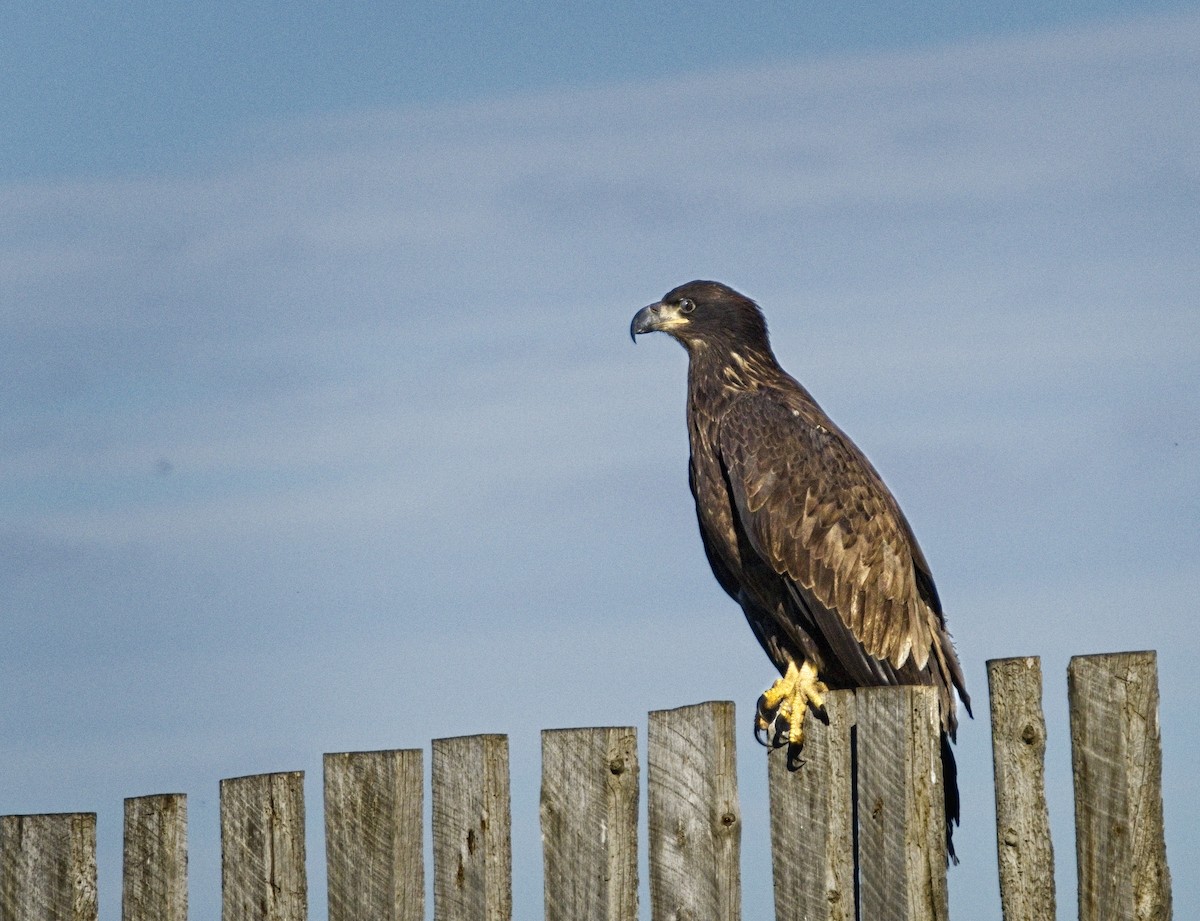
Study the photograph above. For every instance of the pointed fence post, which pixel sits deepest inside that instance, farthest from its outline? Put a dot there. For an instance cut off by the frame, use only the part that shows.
(589, 813)
(48, 867)
(1116, 753)
(695, 820)
(154, 877)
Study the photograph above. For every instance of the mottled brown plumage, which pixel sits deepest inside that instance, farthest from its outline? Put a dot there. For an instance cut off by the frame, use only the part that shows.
(798, 526)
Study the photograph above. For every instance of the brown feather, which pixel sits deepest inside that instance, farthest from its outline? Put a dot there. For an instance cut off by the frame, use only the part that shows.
(798, 526)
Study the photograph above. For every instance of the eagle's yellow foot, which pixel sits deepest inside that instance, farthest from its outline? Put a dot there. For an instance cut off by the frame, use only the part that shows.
(783, 704)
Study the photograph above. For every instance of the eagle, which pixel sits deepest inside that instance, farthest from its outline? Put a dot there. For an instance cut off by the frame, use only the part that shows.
(800, 529)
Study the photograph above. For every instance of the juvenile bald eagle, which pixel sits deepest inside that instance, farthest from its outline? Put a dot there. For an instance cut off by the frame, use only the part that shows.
(799, 528)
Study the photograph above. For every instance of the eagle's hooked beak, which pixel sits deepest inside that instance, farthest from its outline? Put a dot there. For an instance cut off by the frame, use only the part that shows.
(656, 317)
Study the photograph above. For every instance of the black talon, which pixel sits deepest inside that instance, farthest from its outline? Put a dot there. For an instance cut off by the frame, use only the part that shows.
(763, 721)
(794, 761)
(781, 733)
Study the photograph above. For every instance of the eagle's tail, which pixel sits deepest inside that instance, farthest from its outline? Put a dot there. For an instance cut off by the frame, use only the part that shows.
(950, 786)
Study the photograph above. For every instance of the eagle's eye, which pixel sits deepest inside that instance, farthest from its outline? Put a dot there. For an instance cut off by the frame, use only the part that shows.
(687, 305)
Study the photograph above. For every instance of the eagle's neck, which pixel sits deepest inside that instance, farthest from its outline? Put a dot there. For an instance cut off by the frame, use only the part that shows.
(717, 377)
(719, 373)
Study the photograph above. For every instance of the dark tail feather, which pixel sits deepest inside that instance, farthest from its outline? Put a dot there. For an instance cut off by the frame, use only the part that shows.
(950, 786)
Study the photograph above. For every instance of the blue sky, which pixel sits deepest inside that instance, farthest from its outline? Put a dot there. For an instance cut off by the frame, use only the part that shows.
(319, 404)
(125, 87)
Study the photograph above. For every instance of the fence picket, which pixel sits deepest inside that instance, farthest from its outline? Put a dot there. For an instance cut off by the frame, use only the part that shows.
(375, 864)
(1116, 754)
(263, 876)
(154, 874)
(472, 846)
(589, 812)
(857, 820)
(695, 820)
(1024, 850)
(812, 818)
(901, 810)
(48, 867)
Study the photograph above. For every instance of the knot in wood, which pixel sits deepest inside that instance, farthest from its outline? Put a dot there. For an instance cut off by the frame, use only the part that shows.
(728, 819)
(617, 766)
(1029, 734)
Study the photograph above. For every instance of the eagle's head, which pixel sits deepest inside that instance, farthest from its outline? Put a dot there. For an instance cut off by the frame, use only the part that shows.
(704, 313)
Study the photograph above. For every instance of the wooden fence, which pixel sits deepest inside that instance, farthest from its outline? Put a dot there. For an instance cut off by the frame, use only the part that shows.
(856, 828)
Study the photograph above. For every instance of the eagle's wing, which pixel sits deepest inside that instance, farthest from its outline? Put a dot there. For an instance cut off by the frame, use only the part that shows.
(813, 508)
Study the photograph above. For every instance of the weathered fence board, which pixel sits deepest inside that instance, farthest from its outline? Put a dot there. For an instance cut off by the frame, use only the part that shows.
(375, 863)
(857, 820)
(695, 820)
(472, 846)
(812, 818)
(901, 809)
(589, 814)
(154, 877)
(1024, 850)
(48, 867)
(1117, 759)
(263, 877)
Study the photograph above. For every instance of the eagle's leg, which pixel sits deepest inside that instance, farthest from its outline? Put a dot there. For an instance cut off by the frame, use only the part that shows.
(785, 702)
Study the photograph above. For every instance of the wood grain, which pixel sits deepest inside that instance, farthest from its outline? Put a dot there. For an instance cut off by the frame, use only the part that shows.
(1024, 850)
(695, 820)
(263, 876)
(375, 863)
(155, 857)
(589, 813)
(48, 867)
(472, 846)
(1116, 754)
(812, 818)
(901, 806)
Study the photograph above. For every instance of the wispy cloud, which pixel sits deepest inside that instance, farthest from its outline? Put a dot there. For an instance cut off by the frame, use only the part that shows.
(366, 362)
(401, 260)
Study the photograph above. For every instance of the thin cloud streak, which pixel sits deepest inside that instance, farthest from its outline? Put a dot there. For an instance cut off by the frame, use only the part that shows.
(269, 263)
(354, 412)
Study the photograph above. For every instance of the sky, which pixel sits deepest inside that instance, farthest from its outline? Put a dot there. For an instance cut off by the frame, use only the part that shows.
(320, 427)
